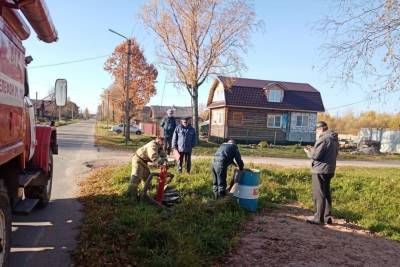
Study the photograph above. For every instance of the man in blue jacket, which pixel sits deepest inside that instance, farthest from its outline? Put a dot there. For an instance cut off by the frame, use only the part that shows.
(168, 124)
(183, 140)
(224, 157)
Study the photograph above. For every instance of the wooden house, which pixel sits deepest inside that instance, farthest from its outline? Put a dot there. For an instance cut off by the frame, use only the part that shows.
(254, 110)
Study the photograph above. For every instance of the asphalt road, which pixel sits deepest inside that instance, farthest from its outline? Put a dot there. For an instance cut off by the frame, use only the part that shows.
(46, 237)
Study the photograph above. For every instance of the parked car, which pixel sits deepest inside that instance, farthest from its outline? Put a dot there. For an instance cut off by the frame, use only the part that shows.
(119, 128)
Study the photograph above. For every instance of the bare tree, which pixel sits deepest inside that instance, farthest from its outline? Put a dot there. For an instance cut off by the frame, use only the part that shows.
(200, 38)
(364, 43)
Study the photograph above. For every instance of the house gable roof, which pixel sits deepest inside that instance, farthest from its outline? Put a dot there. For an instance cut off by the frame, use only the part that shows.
(251, 93)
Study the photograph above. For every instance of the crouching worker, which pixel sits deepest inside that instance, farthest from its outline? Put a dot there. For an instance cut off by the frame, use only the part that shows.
(224, 157)
(150, 152)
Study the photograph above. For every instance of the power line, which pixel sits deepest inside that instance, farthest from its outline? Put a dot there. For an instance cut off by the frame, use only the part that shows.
(347, 105)
(358, 102)
(68, 62)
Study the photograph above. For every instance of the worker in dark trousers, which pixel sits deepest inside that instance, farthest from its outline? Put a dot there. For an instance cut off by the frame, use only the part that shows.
(224, 157)
(183, 140)
(169, 125)
(323, 155)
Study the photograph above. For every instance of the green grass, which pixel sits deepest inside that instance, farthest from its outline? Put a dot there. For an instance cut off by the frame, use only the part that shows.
(62, 122)
(117, 232)
(199, 229)
(106, 138)
(113, 140)
(287, 151)
(57, 123)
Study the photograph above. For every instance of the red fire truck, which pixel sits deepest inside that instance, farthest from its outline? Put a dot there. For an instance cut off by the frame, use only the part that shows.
(26, 149)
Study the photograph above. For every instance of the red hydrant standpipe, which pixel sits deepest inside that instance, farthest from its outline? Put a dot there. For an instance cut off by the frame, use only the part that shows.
(162, 178)
(162, 181)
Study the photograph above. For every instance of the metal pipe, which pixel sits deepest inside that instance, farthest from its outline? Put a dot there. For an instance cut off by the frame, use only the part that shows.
(127, 104)
(16, 23)
(37, 14)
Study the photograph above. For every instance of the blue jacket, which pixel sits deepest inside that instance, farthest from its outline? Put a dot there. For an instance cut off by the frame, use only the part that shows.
(225, 155)
(184, 138)
(169, 125)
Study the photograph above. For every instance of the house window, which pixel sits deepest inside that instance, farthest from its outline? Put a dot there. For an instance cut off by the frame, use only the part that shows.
(302, 120)
(274, 95)
(237, 118)
(274, 121)
(219, 94)
(218, 117)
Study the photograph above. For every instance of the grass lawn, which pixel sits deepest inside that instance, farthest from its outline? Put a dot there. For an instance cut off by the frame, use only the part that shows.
(109, 139)
(117, 232)
(62, 123)
(58, 123)
(113, 140)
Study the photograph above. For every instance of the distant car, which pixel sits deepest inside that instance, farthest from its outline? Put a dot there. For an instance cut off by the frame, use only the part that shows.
(119, 128)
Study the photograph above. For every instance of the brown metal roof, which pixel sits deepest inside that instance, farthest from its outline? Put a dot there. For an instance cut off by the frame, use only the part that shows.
(254, 83)
(250, 93)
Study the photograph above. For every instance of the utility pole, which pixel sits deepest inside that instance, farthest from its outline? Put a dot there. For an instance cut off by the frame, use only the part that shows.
(108, 107)
(127, 104)
(102, 110)
(36, 107)
(128, 78)
(113, 116)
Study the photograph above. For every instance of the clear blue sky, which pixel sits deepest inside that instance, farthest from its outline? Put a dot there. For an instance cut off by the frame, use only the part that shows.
(286, 51)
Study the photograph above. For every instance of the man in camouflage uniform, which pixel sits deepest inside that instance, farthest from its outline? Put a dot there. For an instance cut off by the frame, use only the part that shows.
(150, 152)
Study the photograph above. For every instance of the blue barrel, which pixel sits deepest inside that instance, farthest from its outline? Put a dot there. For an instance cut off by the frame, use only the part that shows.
(246, 193)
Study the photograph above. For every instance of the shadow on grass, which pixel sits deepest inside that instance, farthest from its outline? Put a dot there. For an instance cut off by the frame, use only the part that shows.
(118, 231)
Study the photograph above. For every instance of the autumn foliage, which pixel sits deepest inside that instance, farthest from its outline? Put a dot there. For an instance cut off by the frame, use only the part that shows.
(350, 123)
(142, 80)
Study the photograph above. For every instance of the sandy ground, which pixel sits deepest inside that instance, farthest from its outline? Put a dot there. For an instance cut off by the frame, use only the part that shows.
(281, 237)
(110, 156)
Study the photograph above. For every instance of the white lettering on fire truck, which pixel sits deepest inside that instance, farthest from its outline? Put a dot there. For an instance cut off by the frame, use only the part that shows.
(11, 92)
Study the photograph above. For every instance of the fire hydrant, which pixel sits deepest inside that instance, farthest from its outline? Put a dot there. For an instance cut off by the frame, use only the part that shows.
(164, 195)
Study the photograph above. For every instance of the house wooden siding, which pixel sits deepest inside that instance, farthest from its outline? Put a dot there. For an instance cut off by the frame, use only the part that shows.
(253, 126)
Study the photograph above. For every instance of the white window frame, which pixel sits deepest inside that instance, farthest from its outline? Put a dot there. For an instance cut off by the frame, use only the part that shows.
(304, 118)
(219, 94)
(273, 96)
(273, 117)
(218, 117)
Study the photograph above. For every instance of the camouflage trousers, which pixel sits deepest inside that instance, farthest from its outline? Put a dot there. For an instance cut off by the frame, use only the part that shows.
(140, 172)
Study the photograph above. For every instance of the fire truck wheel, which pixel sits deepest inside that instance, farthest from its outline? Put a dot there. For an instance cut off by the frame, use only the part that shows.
(42, 192)
(5, 226)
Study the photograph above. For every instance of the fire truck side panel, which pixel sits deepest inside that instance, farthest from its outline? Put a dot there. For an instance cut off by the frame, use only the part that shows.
(12, 110)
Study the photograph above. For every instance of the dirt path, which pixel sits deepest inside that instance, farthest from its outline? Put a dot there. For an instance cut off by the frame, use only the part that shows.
(281, 237)
(119, 156)
(306, 162)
